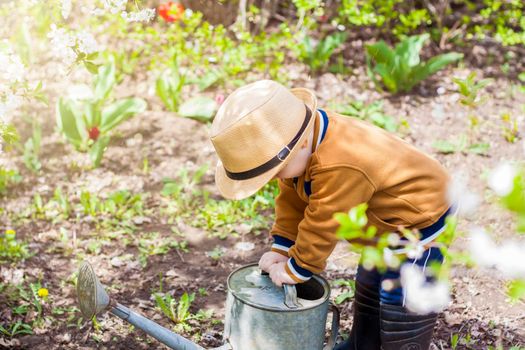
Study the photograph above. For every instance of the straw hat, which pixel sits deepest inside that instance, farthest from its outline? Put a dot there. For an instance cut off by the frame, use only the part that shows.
(256, 131)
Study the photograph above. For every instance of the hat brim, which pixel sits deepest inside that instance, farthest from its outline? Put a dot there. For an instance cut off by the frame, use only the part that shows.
(240, 189)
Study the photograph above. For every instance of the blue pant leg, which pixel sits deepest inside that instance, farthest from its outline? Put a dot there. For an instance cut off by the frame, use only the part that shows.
(395, 296)
(369, 278)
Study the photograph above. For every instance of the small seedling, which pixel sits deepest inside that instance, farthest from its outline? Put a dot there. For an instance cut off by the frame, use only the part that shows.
(461, 144)
(454, 340)
(177, 311)
(510, 128)
(217, 253)
(169, 86)
(153, 244)
(8, 177)
(470, 89)
(11, 249)
(31, 149)
(63, 202)
(18, 328)
(184, 190)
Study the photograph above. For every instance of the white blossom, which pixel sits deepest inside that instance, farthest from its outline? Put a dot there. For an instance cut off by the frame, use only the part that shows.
(62, 44)
(119, 7)
(7, 105)
(420, 296)
(393, 239)
(144, 15)
(415, 251)
(390, 258)
(460, 196)
(65, 8)
(501, 179)
(11, 67)
(506, 258)
(115, 6)
(86, 43)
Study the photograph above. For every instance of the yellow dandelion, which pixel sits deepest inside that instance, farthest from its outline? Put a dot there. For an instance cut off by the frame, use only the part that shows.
(43, 292)
(10, 232)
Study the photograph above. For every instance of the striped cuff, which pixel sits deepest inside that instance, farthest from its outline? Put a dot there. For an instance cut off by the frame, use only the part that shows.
(281, 245)
(297, 273)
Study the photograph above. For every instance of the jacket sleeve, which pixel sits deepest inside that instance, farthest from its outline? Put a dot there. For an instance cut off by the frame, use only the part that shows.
(333, 190)
(289, 211)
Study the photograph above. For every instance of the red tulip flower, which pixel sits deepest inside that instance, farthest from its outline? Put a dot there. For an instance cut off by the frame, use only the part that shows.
(171, 11)
(93, 133)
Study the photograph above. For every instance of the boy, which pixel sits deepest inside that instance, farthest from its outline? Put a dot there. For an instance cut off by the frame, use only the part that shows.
(328, 163)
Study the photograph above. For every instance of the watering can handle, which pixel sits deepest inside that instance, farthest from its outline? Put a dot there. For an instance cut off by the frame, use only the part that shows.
(290, 294)
(335, 326)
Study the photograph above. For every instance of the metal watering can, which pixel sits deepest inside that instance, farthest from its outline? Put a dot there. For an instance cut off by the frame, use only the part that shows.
(259, 315)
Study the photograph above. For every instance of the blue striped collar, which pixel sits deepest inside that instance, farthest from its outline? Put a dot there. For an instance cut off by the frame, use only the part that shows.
(323, 126)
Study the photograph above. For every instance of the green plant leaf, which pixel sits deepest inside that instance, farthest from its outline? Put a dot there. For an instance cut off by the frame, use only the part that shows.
(118, 111)
(96, 152)
(210, 78)
(517, 290)
(69, 123)
(92, 113)
(104, 81)
(344, 296)
(199, 108)
(380, 52)
(401, 68)
(162, 87)
(386, 74)
(169, 85)
(91, 67)
(479, 148)
(444, 146)
(165, 306)
(433, 65)
(408, 49)
(184, 306)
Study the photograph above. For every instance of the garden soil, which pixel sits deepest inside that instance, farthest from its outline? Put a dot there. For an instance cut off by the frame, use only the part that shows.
(479, 314)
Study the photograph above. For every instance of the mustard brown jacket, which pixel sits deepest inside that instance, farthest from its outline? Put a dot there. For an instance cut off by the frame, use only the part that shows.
(355, 162)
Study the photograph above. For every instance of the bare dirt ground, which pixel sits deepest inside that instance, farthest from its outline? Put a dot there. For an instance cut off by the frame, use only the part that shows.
(479, 314)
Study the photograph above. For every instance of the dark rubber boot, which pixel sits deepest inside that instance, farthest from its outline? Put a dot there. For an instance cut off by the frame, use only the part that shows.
(365, 328)
(402, 330)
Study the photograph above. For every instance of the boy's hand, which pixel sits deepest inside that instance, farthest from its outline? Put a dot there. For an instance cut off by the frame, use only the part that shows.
(270, 258)
(279, 275)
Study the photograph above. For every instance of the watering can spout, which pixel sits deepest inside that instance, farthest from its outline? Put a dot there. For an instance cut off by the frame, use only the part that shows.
(93, 300)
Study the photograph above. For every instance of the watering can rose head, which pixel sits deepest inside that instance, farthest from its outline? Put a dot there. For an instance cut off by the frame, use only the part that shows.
(171, 11)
